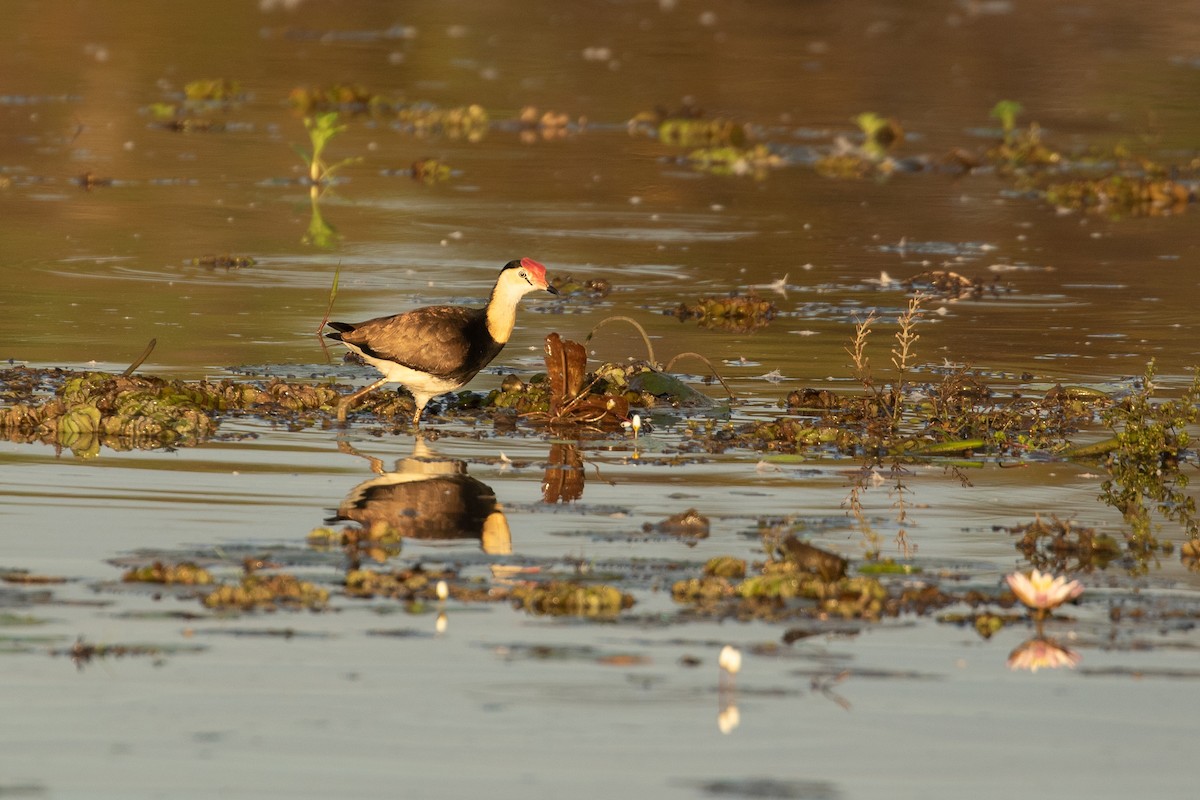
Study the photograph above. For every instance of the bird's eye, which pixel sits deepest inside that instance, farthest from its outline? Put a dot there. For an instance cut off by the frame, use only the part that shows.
(524, 275)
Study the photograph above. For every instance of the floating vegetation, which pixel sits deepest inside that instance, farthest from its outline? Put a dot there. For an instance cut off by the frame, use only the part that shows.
(338, 97)
(1121, 194)
(733, 312)
(199, 98)
(213, 90)
(570, 598)
(799, 580)
(225, 261)
(429, 171)
(687, 127)
(1144, 465)
(268, 593)
(1019, 150)
(379, 541)
(880, 134)
(592, 288)
(470, 122)
(463, 122)
(546, 125)
(185, 572)
(416, 584)
(730, 160)
(126, 412)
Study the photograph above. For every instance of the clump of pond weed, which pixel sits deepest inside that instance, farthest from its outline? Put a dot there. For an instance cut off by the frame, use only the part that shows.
(470, 122)
(569, 396)
(379, 541)
(1138, 186)
(589, 288)
(258, 591)
(688, 127)
(571, 598)
(430, 171)
(880, 136)
(547, 125)
(733, 312)
(185, 573)
(797, 580)
(754, 161)
(1144, 464)
(129, 411)
(418, 584)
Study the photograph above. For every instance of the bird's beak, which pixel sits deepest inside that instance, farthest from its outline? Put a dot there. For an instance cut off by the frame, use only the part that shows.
(551, 289)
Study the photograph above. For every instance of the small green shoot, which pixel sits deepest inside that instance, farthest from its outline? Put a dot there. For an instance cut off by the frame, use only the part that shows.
(1006, 112)
(321, 130)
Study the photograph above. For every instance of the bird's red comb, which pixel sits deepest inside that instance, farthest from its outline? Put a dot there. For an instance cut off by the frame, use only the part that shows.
(537, 269)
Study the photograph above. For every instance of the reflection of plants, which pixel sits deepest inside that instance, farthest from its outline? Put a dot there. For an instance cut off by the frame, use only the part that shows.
(320, 233)
(1042, 653)
(1144, 464)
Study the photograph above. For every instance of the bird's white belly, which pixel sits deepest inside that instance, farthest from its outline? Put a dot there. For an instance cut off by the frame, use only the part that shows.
(417, 382)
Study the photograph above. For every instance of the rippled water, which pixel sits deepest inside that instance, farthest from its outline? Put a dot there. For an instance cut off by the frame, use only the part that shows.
(373, 701)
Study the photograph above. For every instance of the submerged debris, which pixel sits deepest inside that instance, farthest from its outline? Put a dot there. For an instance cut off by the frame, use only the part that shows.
(83, 652)
(225, 261)
(951, 285)
(1060, 546)
(690, 523)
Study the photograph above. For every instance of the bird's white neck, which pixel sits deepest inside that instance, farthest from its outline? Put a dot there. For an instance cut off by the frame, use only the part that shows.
(502, 306)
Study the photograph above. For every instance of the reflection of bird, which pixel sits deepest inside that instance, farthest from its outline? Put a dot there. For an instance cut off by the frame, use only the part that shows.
(438, 349)
(425, 498)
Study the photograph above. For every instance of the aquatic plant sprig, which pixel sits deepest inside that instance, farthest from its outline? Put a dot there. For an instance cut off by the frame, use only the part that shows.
(321, 130)
(1150, 445)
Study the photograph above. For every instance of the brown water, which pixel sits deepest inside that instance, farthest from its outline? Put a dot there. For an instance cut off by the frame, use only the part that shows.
(501, 703)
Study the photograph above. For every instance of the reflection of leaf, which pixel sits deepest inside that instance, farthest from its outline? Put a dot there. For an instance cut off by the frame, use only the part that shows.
(563, 481)
(320, 233)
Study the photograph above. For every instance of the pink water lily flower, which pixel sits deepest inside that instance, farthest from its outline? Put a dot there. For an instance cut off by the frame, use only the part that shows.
(1042, 590)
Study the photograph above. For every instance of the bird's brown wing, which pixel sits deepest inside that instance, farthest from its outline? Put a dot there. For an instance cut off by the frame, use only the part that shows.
(432, 339)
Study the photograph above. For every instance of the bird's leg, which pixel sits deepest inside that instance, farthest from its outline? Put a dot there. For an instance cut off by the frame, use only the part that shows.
(349, 400)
